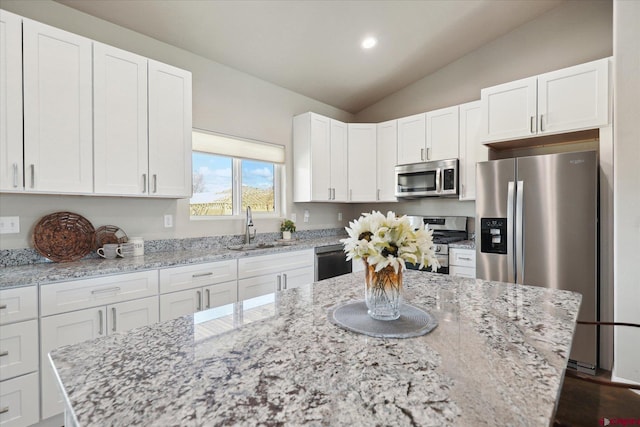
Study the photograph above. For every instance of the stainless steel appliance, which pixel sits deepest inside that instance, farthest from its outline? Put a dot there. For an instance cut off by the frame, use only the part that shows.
(537, 222)
(429, 179)
(446, 229)
(331, 262)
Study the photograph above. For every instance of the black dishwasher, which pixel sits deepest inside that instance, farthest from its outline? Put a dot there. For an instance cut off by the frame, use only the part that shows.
(331, 261)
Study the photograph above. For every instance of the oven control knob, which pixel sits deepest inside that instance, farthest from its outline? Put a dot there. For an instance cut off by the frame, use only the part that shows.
(438, 248)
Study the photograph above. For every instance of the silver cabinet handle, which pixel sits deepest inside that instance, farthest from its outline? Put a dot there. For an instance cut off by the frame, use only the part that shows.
(4, 353)
(378, 194)
(532, 123)
(428, 153)
(278, 283)
(15, 175)
(4, 410)
(333, 194)
(144, 182)
(101, 324)
(284, 276)
(329, 193)
(199, 295)
(3, 306)
(202, 274)
(465, 258)
(422, 154)
(104, 291)
(113, 314)
(541, 121)
(33, 175)
(155, 183)
(208, 292)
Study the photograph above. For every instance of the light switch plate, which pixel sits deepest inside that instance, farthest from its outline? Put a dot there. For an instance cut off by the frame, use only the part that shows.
(294, 217)
(9, 224)
(306, 215)
(168, 221)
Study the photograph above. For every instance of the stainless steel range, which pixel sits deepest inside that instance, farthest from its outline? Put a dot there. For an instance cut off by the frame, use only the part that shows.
(446, 229)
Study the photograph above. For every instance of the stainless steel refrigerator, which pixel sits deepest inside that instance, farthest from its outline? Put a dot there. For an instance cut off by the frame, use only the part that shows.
(536, 224)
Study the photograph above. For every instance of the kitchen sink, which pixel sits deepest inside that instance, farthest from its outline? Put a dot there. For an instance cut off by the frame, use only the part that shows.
(252, 246)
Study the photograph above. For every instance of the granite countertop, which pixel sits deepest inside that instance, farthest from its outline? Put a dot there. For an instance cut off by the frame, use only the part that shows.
(464, 244)
(48, 272)
(497, 357)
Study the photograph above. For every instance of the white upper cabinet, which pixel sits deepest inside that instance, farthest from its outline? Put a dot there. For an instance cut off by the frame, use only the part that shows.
(120, 121)
(58, 149)
(362, 162)
(386, 152)
(571, 99)
(169, 131)
(319, 158)
(442, 134)
(412, 139)
(11, 162)
(472, 150)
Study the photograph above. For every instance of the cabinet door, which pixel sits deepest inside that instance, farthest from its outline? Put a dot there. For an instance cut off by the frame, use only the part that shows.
(58, 149)
(362, 162)
(574, 98)
(20, 401)
(220, 294)
(257, 286)
(320, 157)
(178, 304)
(471, 149)
(295, 278)
(169, 131)
(18, 349)
(18, 304)
(128, 315)
(509, 110)
(339, 164)
(457, 271)
(120, 121)
(386, 152)
(65, 329)
(412, 139)
(11, 178)
(442, 134)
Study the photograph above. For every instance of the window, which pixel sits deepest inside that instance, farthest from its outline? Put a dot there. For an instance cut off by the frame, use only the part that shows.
(230, 174)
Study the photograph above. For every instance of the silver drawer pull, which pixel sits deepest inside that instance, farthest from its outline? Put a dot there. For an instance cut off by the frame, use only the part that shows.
(4, 353)
(3, 306)
(465, 258)
(113, 312)
(101, 322)
(199, 296)
(202, 274)
(4, 410)
(104, 291)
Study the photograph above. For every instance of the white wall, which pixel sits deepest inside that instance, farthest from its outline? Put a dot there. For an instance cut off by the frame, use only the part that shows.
(224, 100)
(627, 188)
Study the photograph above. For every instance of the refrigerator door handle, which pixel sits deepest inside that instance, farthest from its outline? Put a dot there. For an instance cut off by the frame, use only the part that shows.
(438, 181)
(520, 232)
(511, 189)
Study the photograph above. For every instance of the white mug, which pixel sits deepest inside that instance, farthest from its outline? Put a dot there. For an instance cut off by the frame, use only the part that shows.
(109, 251)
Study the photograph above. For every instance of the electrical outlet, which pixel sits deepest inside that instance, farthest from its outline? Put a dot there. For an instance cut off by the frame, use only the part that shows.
(9, 224)
(306, 215)
(339, 216)
(294, 217)
(168, 221)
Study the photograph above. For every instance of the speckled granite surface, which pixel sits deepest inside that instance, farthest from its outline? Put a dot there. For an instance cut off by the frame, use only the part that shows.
(464, 244)
(27, 275)
(496, 358)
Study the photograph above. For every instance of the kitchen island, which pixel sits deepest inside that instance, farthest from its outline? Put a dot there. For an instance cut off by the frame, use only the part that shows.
(497, 357)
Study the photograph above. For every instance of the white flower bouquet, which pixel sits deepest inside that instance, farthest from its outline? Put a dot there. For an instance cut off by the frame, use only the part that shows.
(389, 241)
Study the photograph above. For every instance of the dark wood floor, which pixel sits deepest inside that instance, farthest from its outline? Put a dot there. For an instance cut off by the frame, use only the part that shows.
(586, 404)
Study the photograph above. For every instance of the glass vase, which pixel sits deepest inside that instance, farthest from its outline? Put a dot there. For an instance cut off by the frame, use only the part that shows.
(383, 292)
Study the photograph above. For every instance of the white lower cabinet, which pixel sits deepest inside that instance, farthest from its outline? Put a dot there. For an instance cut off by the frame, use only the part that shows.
(462, 262)
(19, 401)
(267, 274)
(18, 349)
(176, 304)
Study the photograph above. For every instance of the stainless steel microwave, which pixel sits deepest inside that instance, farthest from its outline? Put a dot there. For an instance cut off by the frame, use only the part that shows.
(429, 179)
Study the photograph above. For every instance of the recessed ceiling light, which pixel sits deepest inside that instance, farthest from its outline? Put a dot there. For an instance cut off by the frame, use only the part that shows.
(369, 42)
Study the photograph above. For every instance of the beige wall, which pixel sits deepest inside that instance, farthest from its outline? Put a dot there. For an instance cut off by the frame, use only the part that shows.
(224, 100)
(626, 188)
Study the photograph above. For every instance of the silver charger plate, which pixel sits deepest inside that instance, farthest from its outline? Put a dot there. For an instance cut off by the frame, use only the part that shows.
(352, 316)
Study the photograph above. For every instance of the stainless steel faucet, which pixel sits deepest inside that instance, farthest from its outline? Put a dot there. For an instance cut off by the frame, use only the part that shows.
(247, 234)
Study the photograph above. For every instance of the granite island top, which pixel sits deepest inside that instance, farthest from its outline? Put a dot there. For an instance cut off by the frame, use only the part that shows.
(497, 357)
(49, 272)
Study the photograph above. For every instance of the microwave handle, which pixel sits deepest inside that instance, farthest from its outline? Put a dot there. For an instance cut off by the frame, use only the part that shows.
(438, 180)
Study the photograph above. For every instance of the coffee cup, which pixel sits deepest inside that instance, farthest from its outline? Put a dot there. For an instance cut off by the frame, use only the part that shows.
(109, 251)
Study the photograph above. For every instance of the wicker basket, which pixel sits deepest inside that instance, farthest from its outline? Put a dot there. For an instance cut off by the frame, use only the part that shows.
(63, 236)
(109, 234)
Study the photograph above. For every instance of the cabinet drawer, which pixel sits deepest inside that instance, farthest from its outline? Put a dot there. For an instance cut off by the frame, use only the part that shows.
(462, 271)
(276, 263)
(192, 276)
(68, 296)
(257, 286)
(21, 399)
(462, 257)
(18, 304)
(18, 349)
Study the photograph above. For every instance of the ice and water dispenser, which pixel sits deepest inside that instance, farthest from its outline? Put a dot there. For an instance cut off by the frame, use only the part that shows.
(493, 235)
